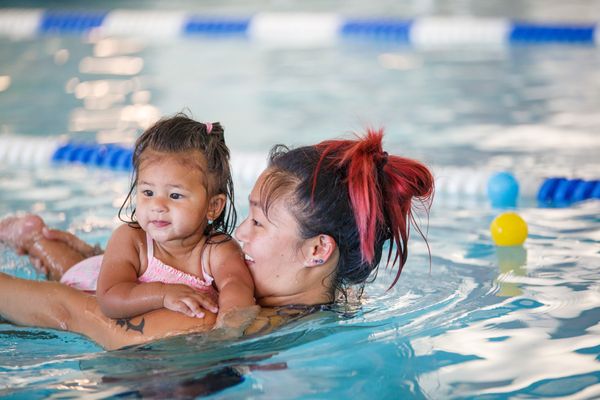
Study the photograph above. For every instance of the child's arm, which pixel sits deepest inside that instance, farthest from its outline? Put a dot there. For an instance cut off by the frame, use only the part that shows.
(119, 293)
(237, 305)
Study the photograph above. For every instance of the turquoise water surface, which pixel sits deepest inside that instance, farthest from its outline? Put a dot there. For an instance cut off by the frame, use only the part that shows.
(468, 320)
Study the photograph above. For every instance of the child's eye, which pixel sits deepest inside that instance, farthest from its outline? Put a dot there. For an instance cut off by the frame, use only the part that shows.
(147, 193)
(176, 196)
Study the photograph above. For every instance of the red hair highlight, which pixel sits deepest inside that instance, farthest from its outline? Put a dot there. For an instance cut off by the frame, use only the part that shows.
(384, 203)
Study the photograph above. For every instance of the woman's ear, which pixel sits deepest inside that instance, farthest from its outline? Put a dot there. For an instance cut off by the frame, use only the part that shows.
(318, 250)
(216, 206)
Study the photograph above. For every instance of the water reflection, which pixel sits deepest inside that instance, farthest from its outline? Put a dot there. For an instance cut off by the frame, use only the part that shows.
(109, 47)
(111, 66)
(115, 108)
(541, 338)
(5, 81)
(511, 262)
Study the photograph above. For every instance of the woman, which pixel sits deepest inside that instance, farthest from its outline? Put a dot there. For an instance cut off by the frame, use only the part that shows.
(319, 218)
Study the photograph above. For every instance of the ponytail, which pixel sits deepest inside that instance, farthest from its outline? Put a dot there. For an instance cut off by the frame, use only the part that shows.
(381, 188)
(357, 157)
(404, 179)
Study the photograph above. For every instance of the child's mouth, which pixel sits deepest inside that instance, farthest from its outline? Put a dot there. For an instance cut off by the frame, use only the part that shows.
(160, 224)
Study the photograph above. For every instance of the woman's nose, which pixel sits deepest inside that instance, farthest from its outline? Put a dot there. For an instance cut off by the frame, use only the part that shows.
(240, 232)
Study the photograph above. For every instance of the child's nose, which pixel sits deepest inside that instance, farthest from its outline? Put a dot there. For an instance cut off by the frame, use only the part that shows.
(159, 205)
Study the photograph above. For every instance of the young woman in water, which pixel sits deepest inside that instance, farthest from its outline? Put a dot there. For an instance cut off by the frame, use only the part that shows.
(319, 218)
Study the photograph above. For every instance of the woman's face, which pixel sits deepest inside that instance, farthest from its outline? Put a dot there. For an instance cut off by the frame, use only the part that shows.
(273, 249)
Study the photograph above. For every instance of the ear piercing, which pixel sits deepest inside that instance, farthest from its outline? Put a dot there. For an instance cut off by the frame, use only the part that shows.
(318, 261)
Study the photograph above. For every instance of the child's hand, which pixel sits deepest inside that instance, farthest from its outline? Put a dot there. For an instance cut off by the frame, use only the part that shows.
(232, 323)
(184, 299)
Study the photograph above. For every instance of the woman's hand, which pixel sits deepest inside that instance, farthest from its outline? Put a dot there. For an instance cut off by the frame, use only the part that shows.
(85, 249)
(184, 299)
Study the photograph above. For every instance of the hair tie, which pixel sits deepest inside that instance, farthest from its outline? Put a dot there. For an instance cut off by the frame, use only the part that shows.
(208, 127)
(382, 159)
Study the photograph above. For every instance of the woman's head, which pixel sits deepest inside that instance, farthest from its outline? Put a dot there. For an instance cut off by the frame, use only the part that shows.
(199, 147)
(346, 199)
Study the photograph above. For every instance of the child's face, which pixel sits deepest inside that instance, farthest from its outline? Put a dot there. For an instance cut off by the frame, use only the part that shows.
(172, 199)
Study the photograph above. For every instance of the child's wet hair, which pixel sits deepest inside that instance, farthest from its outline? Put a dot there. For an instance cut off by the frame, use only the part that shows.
(180, 134)
(354, 192)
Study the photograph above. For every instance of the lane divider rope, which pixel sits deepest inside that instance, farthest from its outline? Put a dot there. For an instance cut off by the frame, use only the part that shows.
(296, 28)
(451, 182)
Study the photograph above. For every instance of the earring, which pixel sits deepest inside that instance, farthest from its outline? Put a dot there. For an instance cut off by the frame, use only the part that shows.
(318, 261)
(210, 221)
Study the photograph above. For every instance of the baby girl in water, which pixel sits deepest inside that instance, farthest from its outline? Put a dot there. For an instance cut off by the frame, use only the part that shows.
(175, 249)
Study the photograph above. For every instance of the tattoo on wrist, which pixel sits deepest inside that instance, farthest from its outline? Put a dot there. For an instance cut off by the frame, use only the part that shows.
(126, 323)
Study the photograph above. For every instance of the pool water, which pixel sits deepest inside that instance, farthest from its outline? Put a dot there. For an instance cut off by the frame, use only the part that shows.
(471, 321)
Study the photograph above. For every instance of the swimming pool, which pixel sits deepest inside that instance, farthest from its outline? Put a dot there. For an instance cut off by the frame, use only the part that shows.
(480, 322)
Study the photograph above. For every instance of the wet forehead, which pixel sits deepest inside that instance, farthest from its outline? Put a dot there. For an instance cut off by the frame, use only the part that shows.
(189, 159)
(279, 216)
(190, 164)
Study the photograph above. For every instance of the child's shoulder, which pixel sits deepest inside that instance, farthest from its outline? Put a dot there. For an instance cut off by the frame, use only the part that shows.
(126, 238)
(223, 245)
(129, 232)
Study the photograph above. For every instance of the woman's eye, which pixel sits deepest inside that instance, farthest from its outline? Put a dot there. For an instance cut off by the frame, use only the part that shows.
(176, 196)
(255, 222)
(147, 193)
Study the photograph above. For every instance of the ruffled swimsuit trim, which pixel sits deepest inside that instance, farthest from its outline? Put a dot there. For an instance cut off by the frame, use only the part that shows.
(84, 275)
(157, 271)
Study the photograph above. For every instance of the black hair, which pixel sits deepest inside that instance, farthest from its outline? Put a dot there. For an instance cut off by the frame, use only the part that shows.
(178, 134)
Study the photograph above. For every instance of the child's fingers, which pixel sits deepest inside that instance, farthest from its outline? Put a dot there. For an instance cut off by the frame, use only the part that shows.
(206, 302)
(193, 306)
(182, 307)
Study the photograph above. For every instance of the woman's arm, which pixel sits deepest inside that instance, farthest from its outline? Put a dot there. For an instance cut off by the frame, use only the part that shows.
(57, 306)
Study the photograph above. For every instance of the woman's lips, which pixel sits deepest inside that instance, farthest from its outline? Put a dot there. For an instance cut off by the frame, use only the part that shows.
(249, 260)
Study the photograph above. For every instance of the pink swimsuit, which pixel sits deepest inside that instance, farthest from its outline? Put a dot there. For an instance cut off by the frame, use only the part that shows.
(84, 275)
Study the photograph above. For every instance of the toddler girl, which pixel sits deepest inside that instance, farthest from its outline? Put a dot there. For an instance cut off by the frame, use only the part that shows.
(175, 247)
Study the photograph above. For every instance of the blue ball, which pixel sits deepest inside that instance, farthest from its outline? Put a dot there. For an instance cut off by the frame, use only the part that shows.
(503, 190)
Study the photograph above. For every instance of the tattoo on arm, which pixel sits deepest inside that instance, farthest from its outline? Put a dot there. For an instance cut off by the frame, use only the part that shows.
(126, 323)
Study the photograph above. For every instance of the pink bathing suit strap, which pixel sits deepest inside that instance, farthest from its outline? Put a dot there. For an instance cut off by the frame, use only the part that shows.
(150, 247)
(208, 127)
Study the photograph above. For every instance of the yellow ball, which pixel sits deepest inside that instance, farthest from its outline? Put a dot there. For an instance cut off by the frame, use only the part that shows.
(508, 229)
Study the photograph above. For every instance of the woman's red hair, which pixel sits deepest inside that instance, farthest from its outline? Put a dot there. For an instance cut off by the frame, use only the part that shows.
(381, 188)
